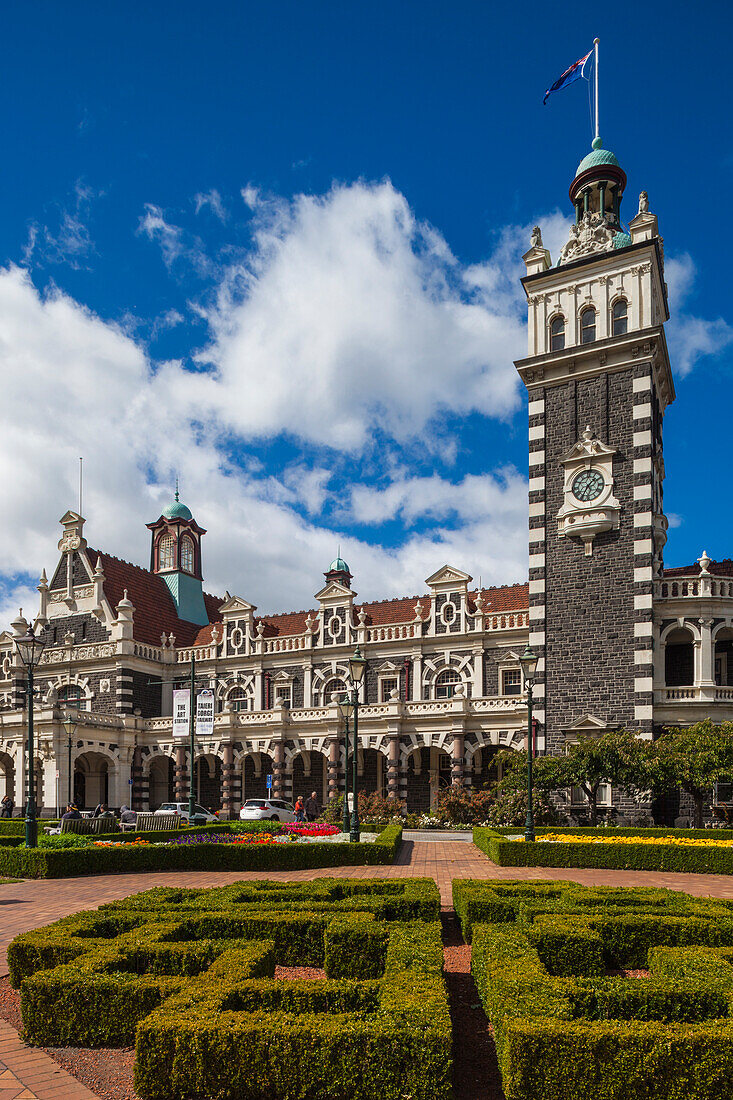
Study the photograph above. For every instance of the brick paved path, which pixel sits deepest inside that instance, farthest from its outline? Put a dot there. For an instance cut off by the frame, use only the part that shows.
(28, 1073)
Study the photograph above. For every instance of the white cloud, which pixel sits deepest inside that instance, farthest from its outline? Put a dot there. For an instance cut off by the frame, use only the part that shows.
(176, 244)
(350, 318)
(690, 338)
(411, 499)
(69, 241)
(211, 200)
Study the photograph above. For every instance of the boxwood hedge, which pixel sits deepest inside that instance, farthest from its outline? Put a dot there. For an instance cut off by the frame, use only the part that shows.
(157, 856)
(188, 975)
(636, 857)
(565, 1029)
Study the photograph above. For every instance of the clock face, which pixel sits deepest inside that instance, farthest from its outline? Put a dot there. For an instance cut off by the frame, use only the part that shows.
(588, 485)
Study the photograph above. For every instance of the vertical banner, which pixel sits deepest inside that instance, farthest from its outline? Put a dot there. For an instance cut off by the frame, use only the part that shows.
(205, 714)
(181, 711)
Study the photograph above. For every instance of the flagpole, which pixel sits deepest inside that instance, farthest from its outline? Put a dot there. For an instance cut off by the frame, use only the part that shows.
(595, 43)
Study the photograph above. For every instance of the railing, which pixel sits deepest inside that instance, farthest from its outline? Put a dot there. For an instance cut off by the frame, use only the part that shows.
(200, 652)
(150, 652)
(509, 620)
(694, 588)
(397, 632)
(286, 644)
(695, 694)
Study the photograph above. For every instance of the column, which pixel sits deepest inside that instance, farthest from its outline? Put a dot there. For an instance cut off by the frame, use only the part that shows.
(458, 759)
(181, 773)
(140, 790)
(393, 768)
(707, 667)
(278, 770)
(334, 747)
(227, 778)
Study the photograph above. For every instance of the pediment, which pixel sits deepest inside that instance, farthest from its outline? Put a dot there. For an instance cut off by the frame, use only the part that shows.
(587, 449)
(6, 638)
(509, 657)
(388, 666)
(71, 517)
(448, 575)
(334, 590)
(237, 605)
(587, 724)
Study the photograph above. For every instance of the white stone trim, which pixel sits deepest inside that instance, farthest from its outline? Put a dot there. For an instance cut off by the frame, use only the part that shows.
(643, 519)
(536, 637)
(642, 439)
(537, 431)
(537, 534)
(642, 465)
(642, 573)
(643, 492)
(537, 612)
(643, 656)
(537, 406)
(643, 630)
(643, 601)
(537, 561)
(643, 712)
(641, 385)
(537, 508)
(535, 587)
(536, 458)
(642, 412)
(536, 484)
(643, 683)
(644, 546)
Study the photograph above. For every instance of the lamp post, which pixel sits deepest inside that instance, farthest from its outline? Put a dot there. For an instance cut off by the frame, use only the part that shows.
(30, 649)
(528, 661)
(346, 709)
(357, 665)
(70, 724)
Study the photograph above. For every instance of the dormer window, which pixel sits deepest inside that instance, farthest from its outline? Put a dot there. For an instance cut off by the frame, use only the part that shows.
(588, 325)
(619, 317)
(187, 554)
(332, 690)
(557, 333)
(167, 552)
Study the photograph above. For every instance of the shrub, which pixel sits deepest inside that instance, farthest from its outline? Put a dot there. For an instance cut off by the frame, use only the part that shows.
(464, 805)
(371, 806)
(188, 975)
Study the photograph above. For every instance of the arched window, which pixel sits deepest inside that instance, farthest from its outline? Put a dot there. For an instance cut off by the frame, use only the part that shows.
(588, 325)
(445, 684)
(557, 333)
(238, 699)
(187, 554)
(332, 689)
(167, 552)
(71, 695)
(679, 659)
(619, 317)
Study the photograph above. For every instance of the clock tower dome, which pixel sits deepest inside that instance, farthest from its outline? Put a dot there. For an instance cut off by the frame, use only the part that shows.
(598, 380)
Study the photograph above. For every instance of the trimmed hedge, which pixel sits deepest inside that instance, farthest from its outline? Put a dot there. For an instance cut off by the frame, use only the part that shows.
(188, 976)
(636, 857)
(66, 863)
(565, 1031)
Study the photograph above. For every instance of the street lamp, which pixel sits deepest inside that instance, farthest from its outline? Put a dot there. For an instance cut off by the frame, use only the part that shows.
(528, 661)
(357, 665)
(30, 649)
(346, 709)
(70, 724)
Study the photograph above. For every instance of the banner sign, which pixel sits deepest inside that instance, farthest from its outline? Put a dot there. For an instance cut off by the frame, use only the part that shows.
(205, 714)
(181, 711)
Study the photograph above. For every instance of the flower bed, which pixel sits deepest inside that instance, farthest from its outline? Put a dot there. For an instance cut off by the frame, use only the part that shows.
(314, 829)
(188, 976)
(191, 852)
(563, 1028)
(630, 852)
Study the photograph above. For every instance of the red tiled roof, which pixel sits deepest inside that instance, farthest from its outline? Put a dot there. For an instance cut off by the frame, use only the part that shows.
(155, 612)
(722, 568)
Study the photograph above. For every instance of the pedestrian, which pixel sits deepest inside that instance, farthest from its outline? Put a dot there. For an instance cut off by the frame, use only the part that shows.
(7, 806)
(311, 807)
(299, 810)
(72, 814)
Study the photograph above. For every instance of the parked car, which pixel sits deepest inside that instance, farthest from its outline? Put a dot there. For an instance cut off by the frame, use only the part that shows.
(182, 809)
(267, 809)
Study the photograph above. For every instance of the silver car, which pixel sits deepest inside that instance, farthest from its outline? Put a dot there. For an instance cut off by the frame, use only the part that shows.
(267, 809)
(181, 808)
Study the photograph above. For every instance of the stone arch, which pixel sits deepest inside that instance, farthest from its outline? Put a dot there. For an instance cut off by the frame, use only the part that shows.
(61, 685)
(322, 677)
(7, 776)
(679, 641)
(372, 767)
(161, 780)
(207, 781)
(441, 665)
(254, 767)
(722, 637)
(310, 773)
(92, 778)
(236, 693)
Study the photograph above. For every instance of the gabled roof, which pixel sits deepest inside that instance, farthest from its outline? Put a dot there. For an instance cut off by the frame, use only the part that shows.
(155, 611)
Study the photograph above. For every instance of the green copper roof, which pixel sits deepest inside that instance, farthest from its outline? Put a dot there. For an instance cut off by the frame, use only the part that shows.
(597, 157)
(338, 565)
(177, 510)
(621, 240)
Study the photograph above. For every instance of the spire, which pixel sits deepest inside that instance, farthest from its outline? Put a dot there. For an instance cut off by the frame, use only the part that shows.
(176, 488)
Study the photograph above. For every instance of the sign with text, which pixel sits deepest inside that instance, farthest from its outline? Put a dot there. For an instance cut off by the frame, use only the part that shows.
(205, 714)
(268, 780)
(181, 712)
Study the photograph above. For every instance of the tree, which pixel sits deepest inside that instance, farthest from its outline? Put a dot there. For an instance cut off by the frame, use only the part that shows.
(693, 758)
(617, 758)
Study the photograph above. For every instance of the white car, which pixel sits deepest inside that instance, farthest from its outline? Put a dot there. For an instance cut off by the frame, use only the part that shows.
(267, 809)
(181, 808)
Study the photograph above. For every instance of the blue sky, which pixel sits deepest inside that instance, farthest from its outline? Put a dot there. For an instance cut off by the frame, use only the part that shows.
(274, 247)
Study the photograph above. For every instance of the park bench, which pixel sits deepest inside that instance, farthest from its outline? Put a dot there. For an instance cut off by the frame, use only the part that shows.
(153, 823)
(89, 826)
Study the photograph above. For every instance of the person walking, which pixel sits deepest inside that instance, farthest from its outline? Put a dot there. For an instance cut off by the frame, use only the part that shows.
(299, 810)
(7, 806)
(311, 807)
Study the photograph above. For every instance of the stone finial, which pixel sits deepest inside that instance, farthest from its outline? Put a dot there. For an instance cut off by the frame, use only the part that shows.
(171, 641)
(310, 623)
(260, 628)
(704, 561)
(362, 616)
(19, 624)
(215, 634)
(479, 601)
(125, 604)
(459, 691)
(418, 612)
(163, 639)
(643, 203)
(394, 696)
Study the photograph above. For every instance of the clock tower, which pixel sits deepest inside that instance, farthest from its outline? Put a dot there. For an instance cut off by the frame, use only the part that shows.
(598, 380)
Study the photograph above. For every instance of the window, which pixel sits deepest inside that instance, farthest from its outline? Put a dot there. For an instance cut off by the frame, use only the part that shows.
(386, 687)
(511, 681)
(238, 699)
(187, 554)
(619, 318)
(557, 333)
(332, 689)
(588, 325)
(70, 695)
(445, 684)
(167, 552)
(283, 696)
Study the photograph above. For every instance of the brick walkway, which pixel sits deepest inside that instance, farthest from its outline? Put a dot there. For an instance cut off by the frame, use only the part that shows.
(28, 1074)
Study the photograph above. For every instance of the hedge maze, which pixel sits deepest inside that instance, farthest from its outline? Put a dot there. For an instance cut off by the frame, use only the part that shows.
(565, 1027)
(188, 976)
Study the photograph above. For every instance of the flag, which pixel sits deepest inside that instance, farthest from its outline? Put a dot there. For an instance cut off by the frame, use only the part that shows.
(573, 73)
